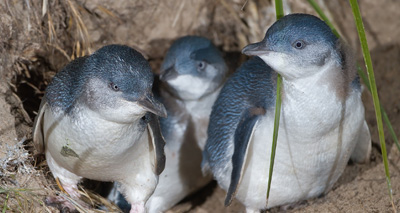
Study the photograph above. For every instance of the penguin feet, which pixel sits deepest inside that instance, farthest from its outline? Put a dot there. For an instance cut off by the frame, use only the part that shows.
(66, 204)
(60, 203)
(137, 208)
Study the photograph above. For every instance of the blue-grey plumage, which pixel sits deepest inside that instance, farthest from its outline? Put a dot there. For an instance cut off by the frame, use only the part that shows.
(246, 96)
(322, 117)
(193, 68)
(192, 75)
(98, 120)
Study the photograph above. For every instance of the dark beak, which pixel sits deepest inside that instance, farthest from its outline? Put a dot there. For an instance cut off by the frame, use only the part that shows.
(168, 74)
(259, 48)
(153, 106)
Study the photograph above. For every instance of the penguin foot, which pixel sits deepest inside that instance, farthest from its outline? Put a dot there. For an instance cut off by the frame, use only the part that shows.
(65, 203)
(137, 208)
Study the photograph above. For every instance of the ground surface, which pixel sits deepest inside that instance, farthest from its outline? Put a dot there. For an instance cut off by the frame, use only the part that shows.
(37, 40)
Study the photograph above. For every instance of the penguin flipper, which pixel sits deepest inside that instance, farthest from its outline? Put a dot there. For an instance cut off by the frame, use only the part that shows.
(158, 142)
(362, 151)
(37, 132)
(243, 135)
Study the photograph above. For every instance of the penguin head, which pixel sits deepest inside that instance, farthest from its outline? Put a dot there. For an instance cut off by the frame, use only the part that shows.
(118, 83)
(193, 67)
(297, 46)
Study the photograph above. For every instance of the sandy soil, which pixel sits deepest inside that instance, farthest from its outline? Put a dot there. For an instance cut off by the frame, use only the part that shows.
(36, 41)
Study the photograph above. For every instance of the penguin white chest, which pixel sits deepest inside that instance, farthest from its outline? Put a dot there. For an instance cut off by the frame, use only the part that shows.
(88, 146)
(313, 149)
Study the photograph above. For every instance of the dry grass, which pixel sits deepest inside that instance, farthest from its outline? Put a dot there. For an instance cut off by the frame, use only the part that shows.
(24, 187)
(17, 174)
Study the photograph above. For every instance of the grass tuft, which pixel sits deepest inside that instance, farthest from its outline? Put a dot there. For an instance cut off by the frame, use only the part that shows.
(82, 46)
(24, 199)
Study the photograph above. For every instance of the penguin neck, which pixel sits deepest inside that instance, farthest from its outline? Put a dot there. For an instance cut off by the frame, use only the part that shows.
(203, 104)
(172, 99)
(328, 83)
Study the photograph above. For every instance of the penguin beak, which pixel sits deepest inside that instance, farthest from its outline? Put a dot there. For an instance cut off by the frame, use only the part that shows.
(153, 106)
(259, 48)
(168, 74)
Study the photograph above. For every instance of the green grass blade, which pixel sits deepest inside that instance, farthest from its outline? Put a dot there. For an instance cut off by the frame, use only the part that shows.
(275, 134)
(361, 73)
(279, 14)
(279, 9)
(385, 116)
(375, 98)
(391, 130)
(323, 16)
(5, 207)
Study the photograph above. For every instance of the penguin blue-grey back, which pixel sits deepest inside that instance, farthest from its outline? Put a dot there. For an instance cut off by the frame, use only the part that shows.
(239, 100)
(240, 94)
(98, 120)
(322, 117)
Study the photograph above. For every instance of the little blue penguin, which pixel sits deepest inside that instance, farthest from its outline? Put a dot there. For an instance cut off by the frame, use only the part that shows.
(322, 122)
(99, 120)
(191, 77)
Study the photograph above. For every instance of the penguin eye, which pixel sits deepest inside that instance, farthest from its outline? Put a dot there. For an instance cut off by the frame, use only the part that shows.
(201, 65)
(114, 87)
(299, 44)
